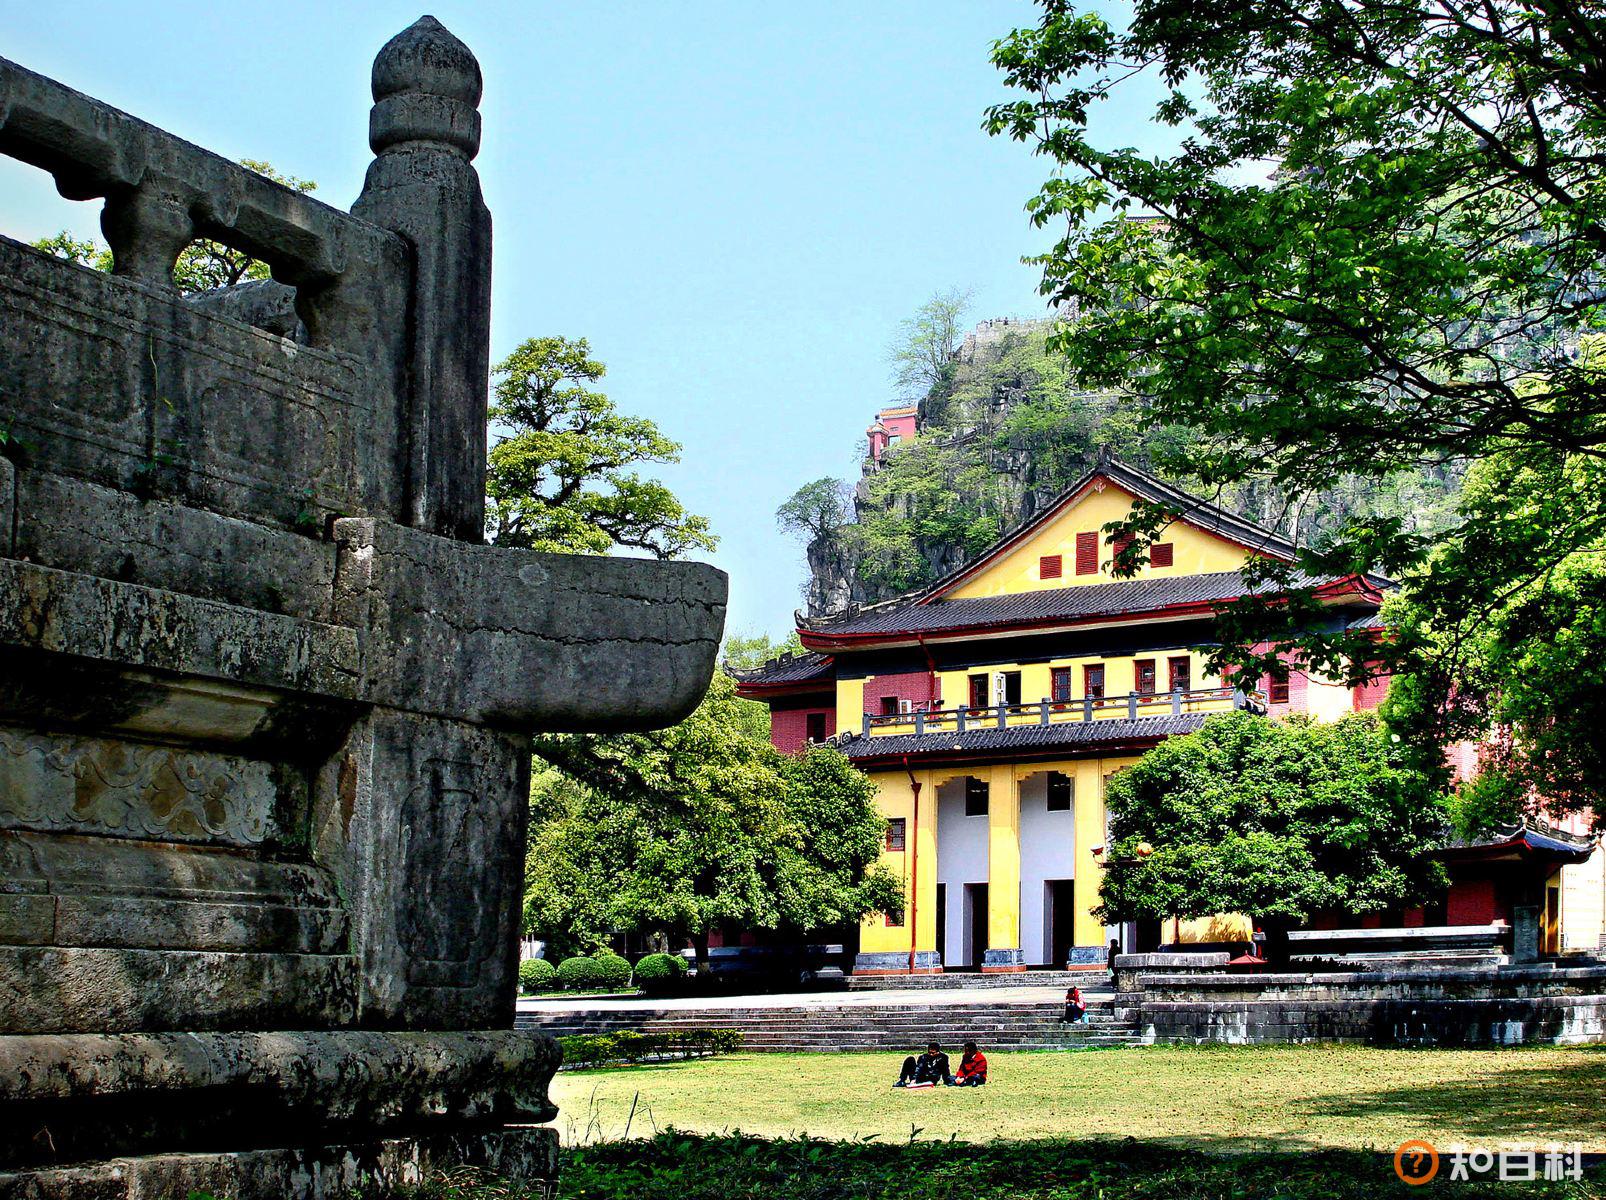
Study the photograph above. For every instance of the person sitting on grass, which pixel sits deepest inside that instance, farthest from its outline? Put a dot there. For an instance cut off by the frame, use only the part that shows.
(972, 1068)
(930, 1069)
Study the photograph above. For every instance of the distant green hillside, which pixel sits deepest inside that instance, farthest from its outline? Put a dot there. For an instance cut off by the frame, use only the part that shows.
(1002, 433)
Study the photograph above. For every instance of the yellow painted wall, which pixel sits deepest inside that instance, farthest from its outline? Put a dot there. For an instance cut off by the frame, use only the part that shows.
(849, 705)
(1326, 699)
(895, 799)
(1583, 903)
(1230, 927)
(1195, 551)
(1003, 857)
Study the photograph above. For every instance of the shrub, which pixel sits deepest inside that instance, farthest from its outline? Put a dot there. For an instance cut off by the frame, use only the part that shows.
(537, 975)
(612, 971)
(659, 972)
(632, 1046)
(577, 973)
(588, 1049)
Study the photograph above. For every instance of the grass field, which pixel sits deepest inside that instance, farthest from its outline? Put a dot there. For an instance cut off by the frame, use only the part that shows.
(1210, 1097)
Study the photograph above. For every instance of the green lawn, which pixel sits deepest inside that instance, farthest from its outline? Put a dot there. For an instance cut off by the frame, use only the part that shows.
(1212, 1097)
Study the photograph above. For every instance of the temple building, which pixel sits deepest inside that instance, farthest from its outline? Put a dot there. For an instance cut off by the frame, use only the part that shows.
(991, 709)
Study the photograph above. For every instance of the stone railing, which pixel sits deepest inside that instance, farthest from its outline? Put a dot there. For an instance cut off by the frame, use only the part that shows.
(1055, 712)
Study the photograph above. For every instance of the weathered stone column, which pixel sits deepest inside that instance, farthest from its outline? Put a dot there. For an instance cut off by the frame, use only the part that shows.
(425, 132)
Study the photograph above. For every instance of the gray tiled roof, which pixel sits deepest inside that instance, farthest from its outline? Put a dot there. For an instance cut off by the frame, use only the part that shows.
(1067, 734)
(793, 668)
(1052, 604)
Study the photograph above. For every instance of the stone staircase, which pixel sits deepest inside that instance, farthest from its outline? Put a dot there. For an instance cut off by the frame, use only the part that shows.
(892, 1028)
(1095, 978)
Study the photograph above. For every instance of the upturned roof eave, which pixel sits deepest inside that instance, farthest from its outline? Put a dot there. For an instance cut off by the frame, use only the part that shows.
(823, 640)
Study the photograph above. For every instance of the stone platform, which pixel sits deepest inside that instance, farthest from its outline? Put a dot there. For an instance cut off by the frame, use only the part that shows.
(1092, 977)
(328, 1171)
(1538, 1005)
(1017, 1018)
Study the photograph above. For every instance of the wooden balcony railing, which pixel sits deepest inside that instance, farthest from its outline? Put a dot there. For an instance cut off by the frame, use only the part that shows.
(1054, 712)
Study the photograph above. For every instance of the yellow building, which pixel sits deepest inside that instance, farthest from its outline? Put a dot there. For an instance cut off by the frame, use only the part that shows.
(991, 709)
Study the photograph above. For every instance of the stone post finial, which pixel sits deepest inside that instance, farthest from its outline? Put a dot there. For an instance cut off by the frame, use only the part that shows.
(427, 87)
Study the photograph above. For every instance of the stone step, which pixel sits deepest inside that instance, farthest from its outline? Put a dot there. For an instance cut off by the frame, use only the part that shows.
(1097, 977)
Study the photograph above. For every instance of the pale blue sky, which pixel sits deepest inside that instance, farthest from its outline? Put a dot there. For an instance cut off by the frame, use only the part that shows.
(735, 202)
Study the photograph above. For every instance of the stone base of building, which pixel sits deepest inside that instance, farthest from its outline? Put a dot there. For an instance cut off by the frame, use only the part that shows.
(268, 1115)
(1087, 956)
(897, 963)
(1484, 1007)
(525, 1155)
(1004, 961)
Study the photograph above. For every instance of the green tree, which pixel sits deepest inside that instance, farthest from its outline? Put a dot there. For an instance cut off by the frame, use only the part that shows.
(561, 480)
(705, 824)
(921, 355)
(1507, 638)
(202, 265)
(1276, 819)
(816, 511)
(1381, 226)
(743, 652)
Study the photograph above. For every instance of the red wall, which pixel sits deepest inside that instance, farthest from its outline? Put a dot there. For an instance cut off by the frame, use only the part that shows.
(789, 727)
(1370, 695)
(913, 686)
(1473, 902)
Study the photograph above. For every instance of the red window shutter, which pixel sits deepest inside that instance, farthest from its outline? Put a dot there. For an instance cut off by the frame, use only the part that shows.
(1144, 670)
(1087, 554)
(1050, 566)
(1160, 554)
(1277, 690)
(1181, 673)
(1060, 680)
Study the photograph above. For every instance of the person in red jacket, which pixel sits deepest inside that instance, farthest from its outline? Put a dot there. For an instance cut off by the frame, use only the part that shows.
(972, 1068)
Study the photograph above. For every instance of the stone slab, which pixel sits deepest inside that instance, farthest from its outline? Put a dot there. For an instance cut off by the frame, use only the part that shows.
(560, 642)
(523, 1155)
(76, 989)
(68, 613)
(80, 1097)
(73, 524)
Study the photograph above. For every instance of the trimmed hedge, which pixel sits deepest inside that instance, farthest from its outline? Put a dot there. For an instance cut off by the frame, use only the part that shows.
(631, 1046)
(582, 971)
(612, 971)
(537, 975)
(659, 972)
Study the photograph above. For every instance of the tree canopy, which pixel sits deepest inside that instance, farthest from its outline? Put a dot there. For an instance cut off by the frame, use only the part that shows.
(202, 265)
(1381, 226)
(705, 824)
(921, 354)
(561, 479)
(743, 652)
(1374, 252)
(1276, 819)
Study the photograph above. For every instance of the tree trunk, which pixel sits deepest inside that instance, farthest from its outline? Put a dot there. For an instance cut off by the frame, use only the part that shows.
(699, 942)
